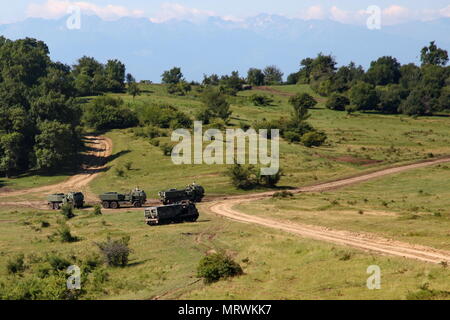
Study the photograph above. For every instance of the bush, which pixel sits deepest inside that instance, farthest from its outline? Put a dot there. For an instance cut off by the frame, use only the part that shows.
(97, 210)
(57, 263)
(65, 235)
(261, 100)
(217, 266)
(67, 211)
(115, 252)
(109, 113)
(162, 116)
(337, 102)
(120, 172)
(16, 264)
(243, 176)
(271, 180)
(166, 149)
(313, 139)
(149, 131)
(292, 136)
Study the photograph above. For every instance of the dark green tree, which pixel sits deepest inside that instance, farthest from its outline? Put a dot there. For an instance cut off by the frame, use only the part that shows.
(273, 75)
(385, 70)
(172, 76)
(434, 55)
(363, 96)
(255, 77)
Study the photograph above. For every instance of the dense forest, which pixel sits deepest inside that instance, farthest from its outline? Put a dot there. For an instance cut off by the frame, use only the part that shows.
(42, 112)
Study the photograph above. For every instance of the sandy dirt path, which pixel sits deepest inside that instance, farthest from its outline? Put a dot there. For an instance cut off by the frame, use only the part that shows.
(364, 241)
(99, 149)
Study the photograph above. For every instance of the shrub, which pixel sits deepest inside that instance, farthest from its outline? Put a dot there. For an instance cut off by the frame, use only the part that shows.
(217, 266)
(97, 210)
(57, 263)
(67, 211)
(166, 148)
(292, 136)
(337, 102)
(65, 235)
(16, 264)
(271, 180)
(115, 252)
(313, 139)
(119, 172)
(243, 176)
(261, 100)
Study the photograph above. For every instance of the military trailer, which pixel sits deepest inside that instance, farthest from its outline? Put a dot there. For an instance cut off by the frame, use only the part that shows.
(192, 192)
(55, 201)
(113, 200)
(174, 213)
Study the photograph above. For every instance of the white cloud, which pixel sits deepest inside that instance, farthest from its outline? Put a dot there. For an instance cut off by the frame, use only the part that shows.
(176, 11)
(396, 14)
(53, 9)
(313, 13)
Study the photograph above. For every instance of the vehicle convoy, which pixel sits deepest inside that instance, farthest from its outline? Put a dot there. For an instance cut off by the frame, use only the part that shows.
(55, 201)
(113, 200)
(192, 192)
(173, 213)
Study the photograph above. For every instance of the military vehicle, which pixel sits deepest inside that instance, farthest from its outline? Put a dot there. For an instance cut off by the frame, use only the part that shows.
(174, 213)
(76, 199)
(192, 192)
(113, 200)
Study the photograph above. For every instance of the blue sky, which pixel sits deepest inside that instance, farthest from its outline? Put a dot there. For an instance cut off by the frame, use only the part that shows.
(346, 11)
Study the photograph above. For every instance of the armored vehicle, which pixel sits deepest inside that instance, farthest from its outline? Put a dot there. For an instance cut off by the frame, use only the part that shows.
(113, 200)
(192, 192)
(76, 199)
(174, 213)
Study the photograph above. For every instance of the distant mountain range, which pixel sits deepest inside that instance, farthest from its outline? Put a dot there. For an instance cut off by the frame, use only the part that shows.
(219, 46)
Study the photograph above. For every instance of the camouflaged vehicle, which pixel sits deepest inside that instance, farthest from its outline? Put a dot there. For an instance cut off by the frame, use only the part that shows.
(55, 201)
(174, 213)
(113, 200)
(192, 192)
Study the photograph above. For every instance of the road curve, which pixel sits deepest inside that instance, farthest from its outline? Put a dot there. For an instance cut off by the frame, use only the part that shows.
(364, 241)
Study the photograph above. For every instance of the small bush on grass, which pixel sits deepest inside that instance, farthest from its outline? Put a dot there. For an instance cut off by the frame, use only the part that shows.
(65, 235)
(313, 139)
(166, 149)
(97, 210)
(128, 165)
(16, 264)
(67, 211)
(115, 252)
(217, 266)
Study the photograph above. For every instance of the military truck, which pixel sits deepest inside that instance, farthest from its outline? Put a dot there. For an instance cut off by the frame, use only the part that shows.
(55, 201)
(174, 213)
(113, 200)
(192, 192)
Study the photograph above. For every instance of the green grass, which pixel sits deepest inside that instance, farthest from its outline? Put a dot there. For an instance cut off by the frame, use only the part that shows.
(412, 206)
(164, 260)
(31, 180)
(356, 143)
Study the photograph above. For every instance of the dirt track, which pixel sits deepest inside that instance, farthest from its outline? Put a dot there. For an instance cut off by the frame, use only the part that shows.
(368, 242)
(100, 148)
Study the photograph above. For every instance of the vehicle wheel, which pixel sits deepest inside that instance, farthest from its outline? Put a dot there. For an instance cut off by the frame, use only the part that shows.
(137, 204)
(114, 205)
(105, 204)
(56, 206)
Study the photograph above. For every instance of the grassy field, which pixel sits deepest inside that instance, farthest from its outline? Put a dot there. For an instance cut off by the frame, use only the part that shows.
(356, 143)
(411, 207)
(164, 260)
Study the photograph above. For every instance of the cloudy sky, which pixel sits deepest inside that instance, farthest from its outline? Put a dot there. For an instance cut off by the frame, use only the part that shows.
(346, 11)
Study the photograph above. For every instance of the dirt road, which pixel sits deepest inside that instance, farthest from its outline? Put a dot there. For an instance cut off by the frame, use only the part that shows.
(364, 241)
(99, 149)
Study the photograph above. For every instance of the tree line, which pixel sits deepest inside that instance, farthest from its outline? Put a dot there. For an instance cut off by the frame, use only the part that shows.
(40, 113)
